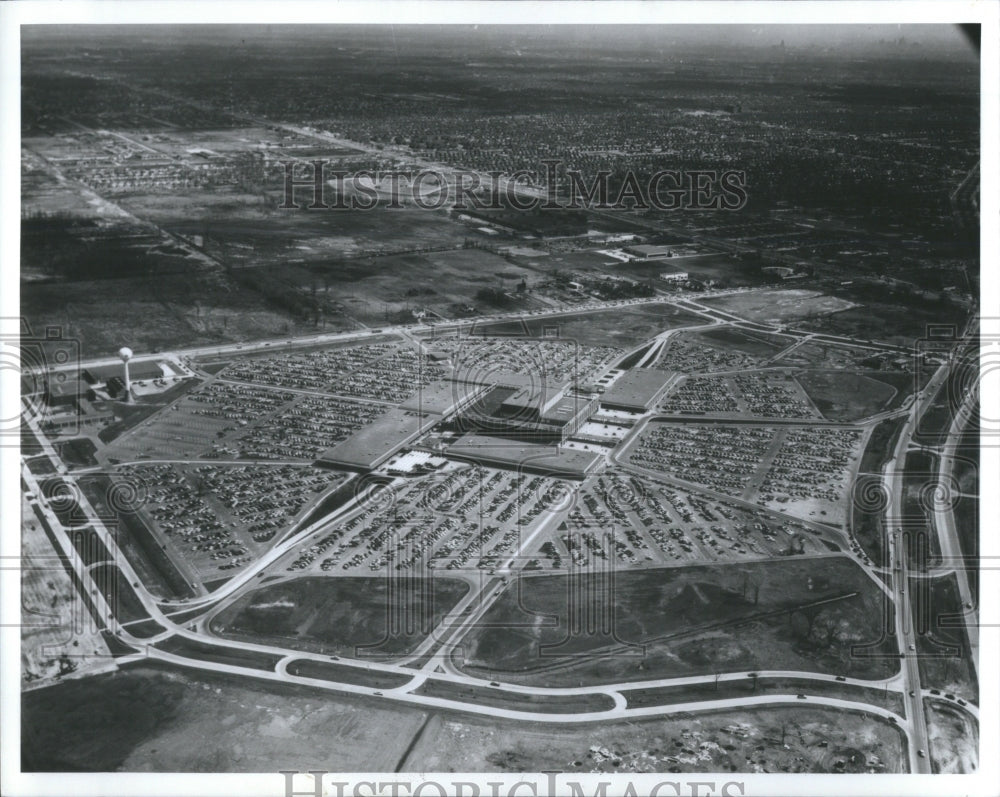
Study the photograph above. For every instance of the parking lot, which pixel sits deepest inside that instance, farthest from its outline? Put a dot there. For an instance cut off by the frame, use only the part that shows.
(626, 521)
(553, 361)
(383, 372)
(218, 518)
(227, 420)
(466, 518)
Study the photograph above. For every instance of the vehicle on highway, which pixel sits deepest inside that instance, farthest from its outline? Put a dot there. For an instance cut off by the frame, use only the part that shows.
(921, 753)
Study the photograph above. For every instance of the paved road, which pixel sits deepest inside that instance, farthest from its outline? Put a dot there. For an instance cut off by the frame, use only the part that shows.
(945, 526)
(331, 338)
(620, 711)
(898, 556)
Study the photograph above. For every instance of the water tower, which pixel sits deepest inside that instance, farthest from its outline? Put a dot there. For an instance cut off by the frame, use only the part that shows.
(126, 354)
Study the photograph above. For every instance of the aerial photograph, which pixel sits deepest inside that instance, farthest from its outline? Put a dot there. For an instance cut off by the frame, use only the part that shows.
(598, 400)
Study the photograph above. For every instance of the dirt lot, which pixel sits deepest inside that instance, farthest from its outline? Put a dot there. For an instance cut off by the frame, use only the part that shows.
(954, 738)
(51, 645)
(767, 740)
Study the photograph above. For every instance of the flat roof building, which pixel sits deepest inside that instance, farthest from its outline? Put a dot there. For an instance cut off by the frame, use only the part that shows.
(549, 460)
(651, 251)
(67, 391)
(674, 275)
(444, 396)
(637, 390)
(373, 444)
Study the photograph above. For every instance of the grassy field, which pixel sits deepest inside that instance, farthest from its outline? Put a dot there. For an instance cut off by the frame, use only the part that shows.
(89, 546)
(484, 696)
(118, 594)
(892, 323)
(78, 452)
(91, 725)
(868, 503)
(194, 721)
(625, 328)
(919, 478)
(942, 642)
(796, 614)
(348, 616)
(757, 344)
(149, 314)
(237, 657)
(967, 524)
(709, 266)
(778, 306)
(846, 396)
(329, 671)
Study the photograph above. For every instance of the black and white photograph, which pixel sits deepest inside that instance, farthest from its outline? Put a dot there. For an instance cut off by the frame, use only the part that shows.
(497, 399)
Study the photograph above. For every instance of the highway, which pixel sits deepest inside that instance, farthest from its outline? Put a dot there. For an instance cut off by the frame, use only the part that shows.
(943, 516)
(898, 556)
(332, 338)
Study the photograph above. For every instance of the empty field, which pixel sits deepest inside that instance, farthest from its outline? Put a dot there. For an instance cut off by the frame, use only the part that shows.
(779, 306)
(795, 614)
(942, 642)
(954, 738)
(779, 739)
(623, 327)
(485, 696)
(195, 721)
(750, 686)
(846, 396)
(892, 323)
(359, 676)
(364, 617)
